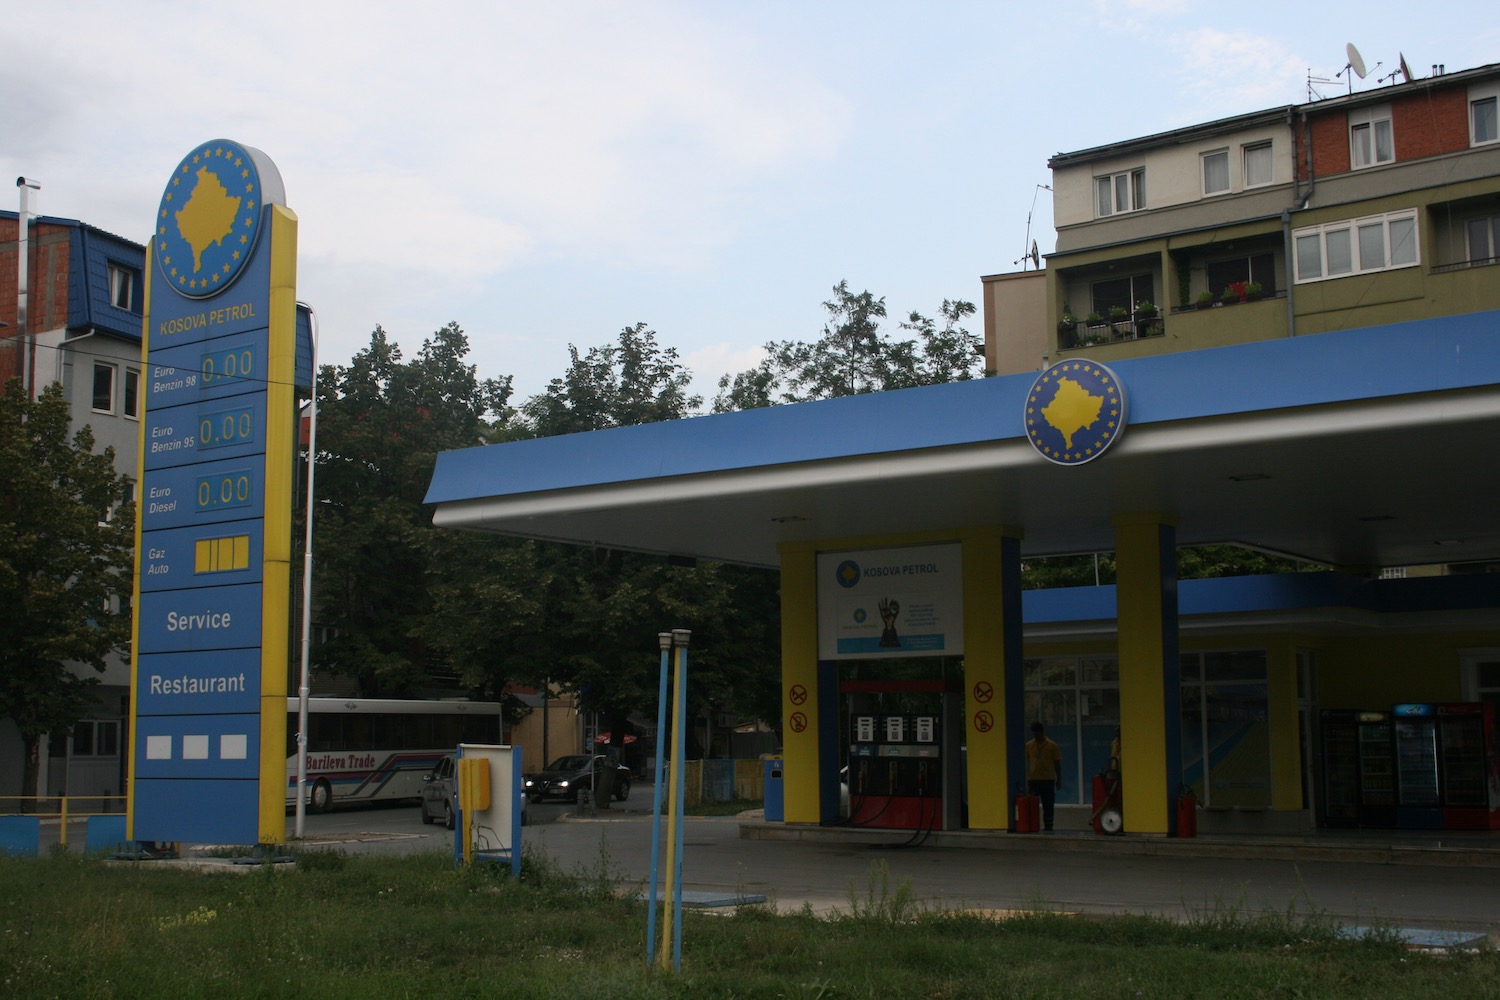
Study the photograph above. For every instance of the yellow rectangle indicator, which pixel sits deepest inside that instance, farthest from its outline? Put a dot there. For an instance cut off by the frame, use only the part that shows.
(221, 555)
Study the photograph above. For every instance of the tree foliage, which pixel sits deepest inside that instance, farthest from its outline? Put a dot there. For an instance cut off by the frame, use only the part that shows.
(66, 537)
(852, 356)
(381, 423)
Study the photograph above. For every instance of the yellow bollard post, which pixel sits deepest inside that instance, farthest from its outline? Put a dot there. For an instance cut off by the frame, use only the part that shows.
(63, 833)
(664, 956)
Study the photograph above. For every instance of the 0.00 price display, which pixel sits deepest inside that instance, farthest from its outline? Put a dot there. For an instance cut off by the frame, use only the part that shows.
(230, 489)
(223, 366)
(220, 430)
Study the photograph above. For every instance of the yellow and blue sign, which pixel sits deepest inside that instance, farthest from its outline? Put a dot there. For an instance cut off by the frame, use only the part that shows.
(209, 220)
(1075, 410)
(209, 670)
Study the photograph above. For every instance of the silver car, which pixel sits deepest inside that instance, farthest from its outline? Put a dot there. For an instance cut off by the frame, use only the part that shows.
(440, 792)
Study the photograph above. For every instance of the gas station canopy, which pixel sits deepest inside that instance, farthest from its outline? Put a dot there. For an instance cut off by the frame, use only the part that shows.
(1360, 448)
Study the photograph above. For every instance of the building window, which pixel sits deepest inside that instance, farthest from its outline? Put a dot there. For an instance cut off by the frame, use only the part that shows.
(1377, 243)
(1123, 192)
(1216, 172)
(1371, 140)
(1121, 293)
(1259, 268)
(132, 398)
(104, 387)
(96, 738)
(1483, 125)
(1484, 240)
(122, 282)
(1258, 165)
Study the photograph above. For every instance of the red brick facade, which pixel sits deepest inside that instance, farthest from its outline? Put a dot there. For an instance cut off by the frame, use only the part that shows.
(47, 280)
(1430, 122)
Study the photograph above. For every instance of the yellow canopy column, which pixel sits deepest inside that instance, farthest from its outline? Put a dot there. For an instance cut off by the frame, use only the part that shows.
(1150, 677)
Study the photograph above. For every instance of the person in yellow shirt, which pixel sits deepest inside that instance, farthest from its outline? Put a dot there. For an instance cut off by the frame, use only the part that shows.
(1043, 769)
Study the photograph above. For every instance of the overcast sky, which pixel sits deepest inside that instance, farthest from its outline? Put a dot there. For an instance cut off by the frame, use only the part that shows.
(548, 173)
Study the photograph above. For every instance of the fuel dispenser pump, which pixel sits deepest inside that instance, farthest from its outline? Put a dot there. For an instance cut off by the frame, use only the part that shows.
(895, 772)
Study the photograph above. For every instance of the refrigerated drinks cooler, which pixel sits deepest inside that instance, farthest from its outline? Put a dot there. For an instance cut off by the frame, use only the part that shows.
(1470, 766)
(1359, 780)
(1377, 770)
(1418, 783)
(1340, 739)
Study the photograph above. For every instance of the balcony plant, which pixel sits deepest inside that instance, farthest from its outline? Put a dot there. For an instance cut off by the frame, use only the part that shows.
(1206, 299)
(1067, 325)
(1234, 292)
(1145, 310)
(1253, 291)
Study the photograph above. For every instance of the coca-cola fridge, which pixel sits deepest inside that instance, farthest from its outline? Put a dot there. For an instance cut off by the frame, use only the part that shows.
(1469, 754)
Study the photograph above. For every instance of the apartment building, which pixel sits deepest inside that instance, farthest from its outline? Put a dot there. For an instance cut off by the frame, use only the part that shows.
(1373, 208)
(83, 307)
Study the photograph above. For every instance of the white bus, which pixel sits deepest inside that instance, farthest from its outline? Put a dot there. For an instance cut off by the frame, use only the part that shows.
(373, 749)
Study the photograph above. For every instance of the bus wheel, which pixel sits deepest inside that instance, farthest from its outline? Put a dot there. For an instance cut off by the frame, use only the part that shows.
(322, 796)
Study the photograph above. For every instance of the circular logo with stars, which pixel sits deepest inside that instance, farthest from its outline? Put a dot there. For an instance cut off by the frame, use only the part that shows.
(209, 219)
(1074, 411)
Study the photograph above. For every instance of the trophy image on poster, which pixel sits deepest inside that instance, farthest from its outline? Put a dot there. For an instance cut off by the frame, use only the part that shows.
(889, 609)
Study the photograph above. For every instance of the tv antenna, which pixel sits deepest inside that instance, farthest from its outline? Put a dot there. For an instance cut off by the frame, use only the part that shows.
(1030, 253)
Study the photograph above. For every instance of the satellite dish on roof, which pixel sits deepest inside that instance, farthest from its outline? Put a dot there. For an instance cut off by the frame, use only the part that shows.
(1356, 61)
(1036, 259)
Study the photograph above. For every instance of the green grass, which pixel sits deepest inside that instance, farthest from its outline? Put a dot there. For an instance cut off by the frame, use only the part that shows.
(343, 926)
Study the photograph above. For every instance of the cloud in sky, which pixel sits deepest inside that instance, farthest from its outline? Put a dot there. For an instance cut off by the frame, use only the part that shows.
(549, 174)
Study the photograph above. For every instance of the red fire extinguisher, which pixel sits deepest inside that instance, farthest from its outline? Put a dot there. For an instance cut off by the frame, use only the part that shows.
(1187, 813)
(1028, 811)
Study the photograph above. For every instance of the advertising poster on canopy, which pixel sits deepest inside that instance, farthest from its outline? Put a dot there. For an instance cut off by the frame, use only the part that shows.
(876, 603)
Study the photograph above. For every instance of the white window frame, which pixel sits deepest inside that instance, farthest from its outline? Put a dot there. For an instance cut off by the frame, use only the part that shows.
(1480, 93)
(122, 282)
(130, 409)
(1346, 234)
(1132, 183)
(1258, 147)
(1221, 156)
(113, 370)
(1365, 125)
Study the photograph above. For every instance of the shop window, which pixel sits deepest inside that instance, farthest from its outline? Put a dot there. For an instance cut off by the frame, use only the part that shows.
(1226, 748)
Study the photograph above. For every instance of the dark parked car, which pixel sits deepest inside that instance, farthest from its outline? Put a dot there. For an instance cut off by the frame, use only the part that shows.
(438, 792)
(564, 776)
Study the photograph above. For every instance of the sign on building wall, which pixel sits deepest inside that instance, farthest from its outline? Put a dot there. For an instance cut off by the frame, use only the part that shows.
(890, 602)
(213, 523)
